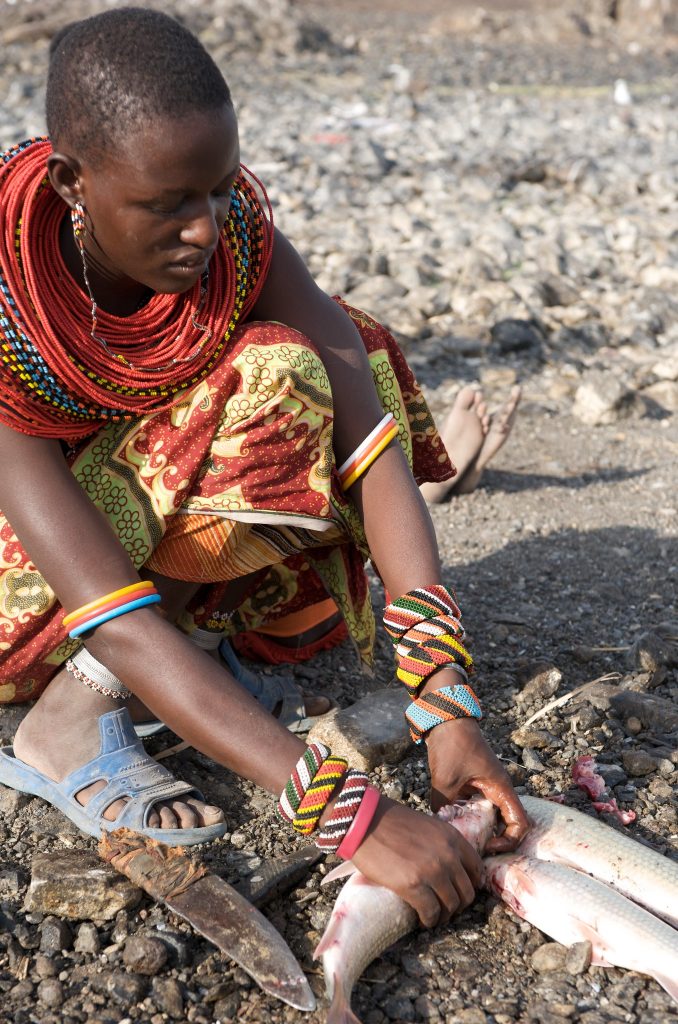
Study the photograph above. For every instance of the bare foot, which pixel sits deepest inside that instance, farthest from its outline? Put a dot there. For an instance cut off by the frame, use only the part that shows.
(61, 733)
(472, 437)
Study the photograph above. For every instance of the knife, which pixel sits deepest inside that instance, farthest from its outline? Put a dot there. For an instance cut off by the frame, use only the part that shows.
(213, 908)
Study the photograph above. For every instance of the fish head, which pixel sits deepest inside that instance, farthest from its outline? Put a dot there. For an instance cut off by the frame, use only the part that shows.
(474, 818)
(508, 877)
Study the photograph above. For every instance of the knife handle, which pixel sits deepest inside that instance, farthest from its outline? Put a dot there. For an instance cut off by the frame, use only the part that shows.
(160, 870)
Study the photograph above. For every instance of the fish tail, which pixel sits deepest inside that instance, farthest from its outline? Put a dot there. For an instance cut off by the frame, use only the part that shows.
(340, 1010)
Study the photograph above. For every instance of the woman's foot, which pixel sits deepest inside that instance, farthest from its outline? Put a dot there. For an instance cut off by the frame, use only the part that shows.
(472, 437)
(61, 733)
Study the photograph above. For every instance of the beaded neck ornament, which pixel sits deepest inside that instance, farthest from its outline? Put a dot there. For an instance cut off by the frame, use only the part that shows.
(56, 378)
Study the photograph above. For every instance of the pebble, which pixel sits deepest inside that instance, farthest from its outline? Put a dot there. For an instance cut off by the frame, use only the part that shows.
(51, 993)
(168, 997)
(144, 954)
(578, 958)
(126, 989)
(227, 1008)
(87, 938)
(602, 398)
(639, 762)
(55, 935)
(550, 956)
(542, 682)
(536, 739)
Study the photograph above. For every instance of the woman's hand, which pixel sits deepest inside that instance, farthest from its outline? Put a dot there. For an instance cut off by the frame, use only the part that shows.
(461, 761)
(425, 861)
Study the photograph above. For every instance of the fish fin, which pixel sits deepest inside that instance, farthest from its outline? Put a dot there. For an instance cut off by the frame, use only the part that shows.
(669, 985)
(340, 1011)
(341, 871)
(329, 935)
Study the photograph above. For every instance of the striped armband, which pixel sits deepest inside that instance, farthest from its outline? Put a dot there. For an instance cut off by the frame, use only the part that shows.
(443, 705)
(316, 797)
(367, 451)
(304, 772)
(344, 811)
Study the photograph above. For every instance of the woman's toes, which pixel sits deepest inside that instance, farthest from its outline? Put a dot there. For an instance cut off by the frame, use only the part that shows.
(153, 819)
(207, 814)
(167, 817)
(186, 815)
(114, 809)
(465, 398)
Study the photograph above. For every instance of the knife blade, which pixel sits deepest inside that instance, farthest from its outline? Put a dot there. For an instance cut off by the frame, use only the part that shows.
(275, 877)
(214, 909)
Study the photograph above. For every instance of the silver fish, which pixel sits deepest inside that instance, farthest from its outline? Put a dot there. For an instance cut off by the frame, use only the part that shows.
(367, 919)
(572, 907)
(577, 840)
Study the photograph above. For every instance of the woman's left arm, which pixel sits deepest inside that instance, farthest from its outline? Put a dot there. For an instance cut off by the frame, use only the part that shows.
(397, 523)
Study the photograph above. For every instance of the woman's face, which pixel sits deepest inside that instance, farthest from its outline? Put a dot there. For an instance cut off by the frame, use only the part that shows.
(156, 206)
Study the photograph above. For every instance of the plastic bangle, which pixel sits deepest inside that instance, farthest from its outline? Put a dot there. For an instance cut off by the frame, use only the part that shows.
(109, 605)
(360, 824)
(371, 457)
(351, 462)
(113, 614)
(141, 585)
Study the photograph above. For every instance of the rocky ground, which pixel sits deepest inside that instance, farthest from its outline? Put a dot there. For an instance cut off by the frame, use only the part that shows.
(487, 191)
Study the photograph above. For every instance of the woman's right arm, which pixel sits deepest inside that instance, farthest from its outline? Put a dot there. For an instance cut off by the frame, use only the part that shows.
(74, 548)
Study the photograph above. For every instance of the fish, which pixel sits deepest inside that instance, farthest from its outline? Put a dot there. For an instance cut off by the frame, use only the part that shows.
(367, 918)
(570, 906)
(576, 840)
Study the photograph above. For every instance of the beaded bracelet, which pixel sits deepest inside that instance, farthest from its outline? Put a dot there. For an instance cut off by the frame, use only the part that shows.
(86, 669)
(94, 605)
(438, 706)
(300, 779)
(422, 661)
(318, 794)
(367, 451)
(360, 824)
(344, 811)
(112, 611)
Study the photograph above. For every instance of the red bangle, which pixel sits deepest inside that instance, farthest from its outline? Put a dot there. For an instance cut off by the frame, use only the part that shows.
(360, 824)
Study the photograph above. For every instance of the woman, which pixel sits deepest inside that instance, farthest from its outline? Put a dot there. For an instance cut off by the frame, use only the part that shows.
(176, 397)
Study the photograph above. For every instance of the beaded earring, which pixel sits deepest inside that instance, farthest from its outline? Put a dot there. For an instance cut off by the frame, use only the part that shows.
(79, 224)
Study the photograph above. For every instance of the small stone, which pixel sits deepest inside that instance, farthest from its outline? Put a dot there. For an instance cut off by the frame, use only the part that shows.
(532, 761)
(663, 393)
(50, 992)
(126, 989)
(178, 947)
(639, 762)
(602, 398)
(651, 652)
(167, 996)
(513, 335)
(22, 990)
(393, 789)
(578, 958)
(653, 712)
(425, 1008)
(79, 886)
(226, 1009)
(634, 725)
(469, 1015)
(11, 801)
(45, 966)
(557, 291)
(549, 957)
(399, 1009)
(537, 739)
(87, 939)
(371, 732)
(541, 683)
(144, 954)
(55, 935)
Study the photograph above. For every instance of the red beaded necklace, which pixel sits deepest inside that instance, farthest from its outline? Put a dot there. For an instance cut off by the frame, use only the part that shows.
(56, 378)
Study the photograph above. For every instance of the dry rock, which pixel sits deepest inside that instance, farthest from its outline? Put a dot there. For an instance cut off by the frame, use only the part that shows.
(542, 682)
(602, 398)
(167, 996)
(50, 992)
(55, 935)
(87, 939)
(639, 762)
(144, 954)
(371, 732)
(651, 711)
(550, 956)
(79, 886)
(578, 958)
(537, 739)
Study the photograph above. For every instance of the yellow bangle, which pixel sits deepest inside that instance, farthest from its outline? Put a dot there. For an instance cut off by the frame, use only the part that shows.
(370, 457)
(141, 585)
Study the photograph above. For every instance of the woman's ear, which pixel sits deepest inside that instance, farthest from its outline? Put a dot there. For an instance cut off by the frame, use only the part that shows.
(64, 173)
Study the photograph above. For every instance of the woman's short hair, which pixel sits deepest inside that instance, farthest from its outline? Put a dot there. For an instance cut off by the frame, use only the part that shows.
(109, 74)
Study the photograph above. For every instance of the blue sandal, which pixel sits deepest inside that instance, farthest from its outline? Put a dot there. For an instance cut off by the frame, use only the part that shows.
(272, 691)
(129, 772)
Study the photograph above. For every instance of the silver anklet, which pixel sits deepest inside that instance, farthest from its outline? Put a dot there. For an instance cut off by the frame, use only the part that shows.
(85, 667)
(206, 639)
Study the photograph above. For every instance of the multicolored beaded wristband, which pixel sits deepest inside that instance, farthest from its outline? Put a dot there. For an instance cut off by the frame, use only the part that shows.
(438, 706)
(112, 613)
(360, 824)
(318, 794)
(422, 661)
(344, 811)
(300, 779)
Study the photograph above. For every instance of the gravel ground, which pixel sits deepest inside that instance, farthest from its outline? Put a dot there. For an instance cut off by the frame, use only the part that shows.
(487, 196)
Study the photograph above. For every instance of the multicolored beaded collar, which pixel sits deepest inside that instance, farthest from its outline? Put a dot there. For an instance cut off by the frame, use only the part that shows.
(58, 381)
